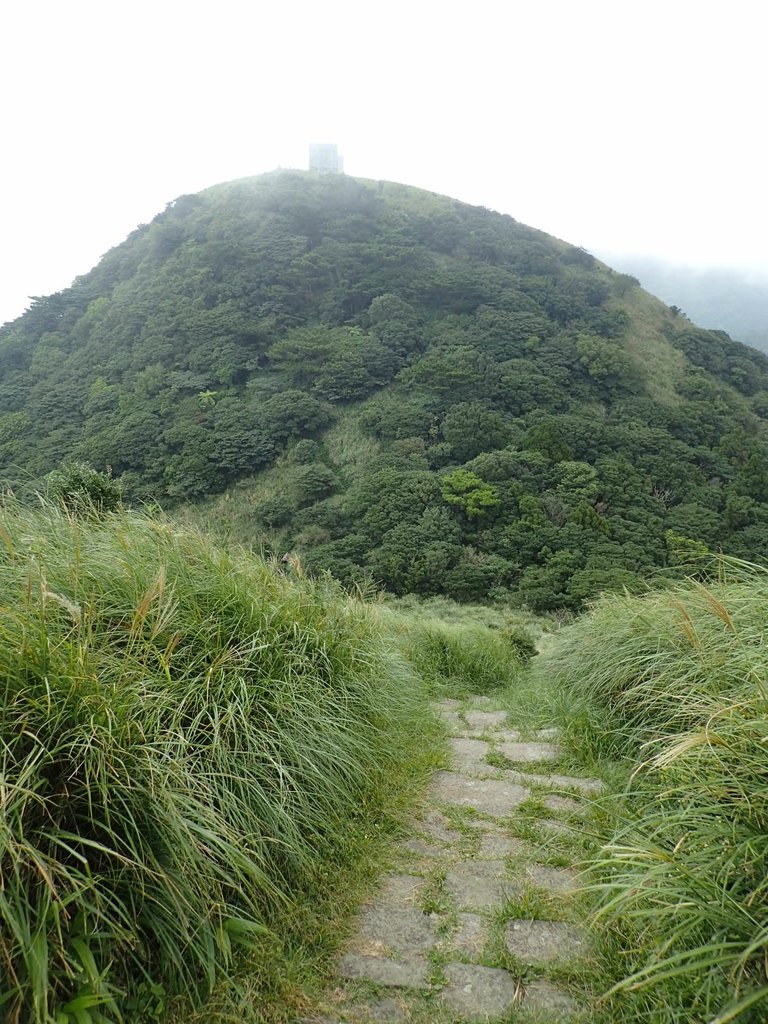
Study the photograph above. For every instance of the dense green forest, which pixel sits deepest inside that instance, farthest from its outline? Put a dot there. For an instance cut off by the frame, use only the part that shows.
(395, 385)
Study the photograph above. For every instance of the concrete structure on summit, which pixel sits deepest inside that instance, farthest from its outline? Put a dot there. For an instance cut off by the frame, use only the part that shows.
(324, 156)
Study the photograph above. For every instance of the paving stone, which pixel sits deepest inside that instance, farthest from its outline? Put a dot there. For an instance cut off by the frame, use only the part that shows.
(435, 825)
(481, 868)
(552, 733)
(466, 752)
(447, 711)
(479, 884)
(562, 803)
(470, 937)
(393, 934)
(420, 848)
(400, 890)
(506, 736)
(403, 929)
(555, 879)
(390, 973)
(472, 893)
(497, 844)
(479, 993)
(446, 704)
(530, 751)
(588, 787)
(481, 720)
(495, 797)
(544, 997)
(451, 721)
(536, 942)
(385, 1010)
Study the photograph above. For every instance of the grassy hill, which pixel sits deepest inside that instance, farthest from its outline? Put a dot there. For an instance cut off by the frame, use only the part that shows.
(395, 385)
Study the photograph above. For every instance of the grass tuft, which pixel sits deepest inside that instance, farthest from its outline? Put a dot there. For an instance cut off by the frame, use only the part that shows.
(187, 738)
(675, 685)
(459, 657)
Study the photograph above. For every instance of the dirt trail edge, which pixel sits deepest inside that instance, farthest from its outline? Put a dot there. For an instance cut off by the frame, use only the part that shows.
(479, 918)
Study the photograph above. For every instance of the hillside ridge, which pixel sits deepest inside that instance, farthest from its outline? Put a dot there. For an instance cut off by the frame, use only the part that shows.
(397, 385)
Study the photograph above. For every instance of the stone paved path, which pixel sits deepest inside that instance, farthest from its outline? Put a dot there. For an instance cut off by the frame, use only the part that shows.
(477, 920)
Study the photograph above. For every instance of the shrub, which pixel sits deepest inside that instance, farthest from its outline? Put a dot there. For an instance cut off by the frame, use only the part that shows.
(521, 642)
(83, 490)
(276, 510)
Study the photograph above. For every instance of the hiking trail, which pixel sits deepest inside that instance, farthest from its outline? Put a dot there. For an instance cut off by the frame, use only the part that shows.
(478, 918)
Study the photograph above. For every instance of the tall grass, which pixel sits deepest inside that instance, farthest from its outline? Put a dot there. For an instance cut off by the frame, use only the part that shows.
(459, 651)
(677, 684)
(183, 733)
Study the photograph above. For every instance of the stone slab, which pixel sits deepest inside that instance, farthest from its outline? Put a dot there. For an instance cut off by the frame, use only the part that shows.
(559, 880)
(436, 826)
(479, 993)
(400, 890)
(480, 893)
(420, 848)
(470, 937)
(453, 724)
(466, 752)
(479, 721)
(506, 736)
(447, 711)
(479, 884)
(481, 868)
(497, 844)
(588, 787)
(389, 973)
(446, 703)
(403, 929)
(538, 942)
(562, 803)
(530, 751)
(555, 828)
(551, 733)
(544, 997)
(495, 797)
(386, 1010)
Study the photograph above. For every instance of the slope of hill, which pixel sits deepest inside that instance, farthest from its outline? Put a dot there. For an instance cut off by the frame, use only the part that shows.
(717, 297)
(397, 384)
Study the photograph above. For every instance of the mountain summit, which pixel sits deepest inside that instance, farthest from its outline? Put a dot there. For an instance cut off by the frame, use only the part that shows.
(393, 383)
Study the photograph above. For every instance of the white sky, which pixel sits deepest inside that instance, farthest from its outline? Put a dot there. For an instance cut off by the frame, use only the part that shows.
(617, 125)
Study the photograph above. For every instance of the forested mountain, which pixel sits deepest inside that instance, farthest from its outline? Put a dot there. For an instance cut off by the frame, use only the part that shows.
(397, 384)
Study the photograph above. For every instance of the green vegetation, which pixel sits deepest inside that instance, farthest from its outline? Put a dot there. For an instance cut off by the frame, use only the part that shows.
(82, 490)
(675, 683)
(394, 385)
(204, 752)
(202, 749)
(194, 746)
(459, 650)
